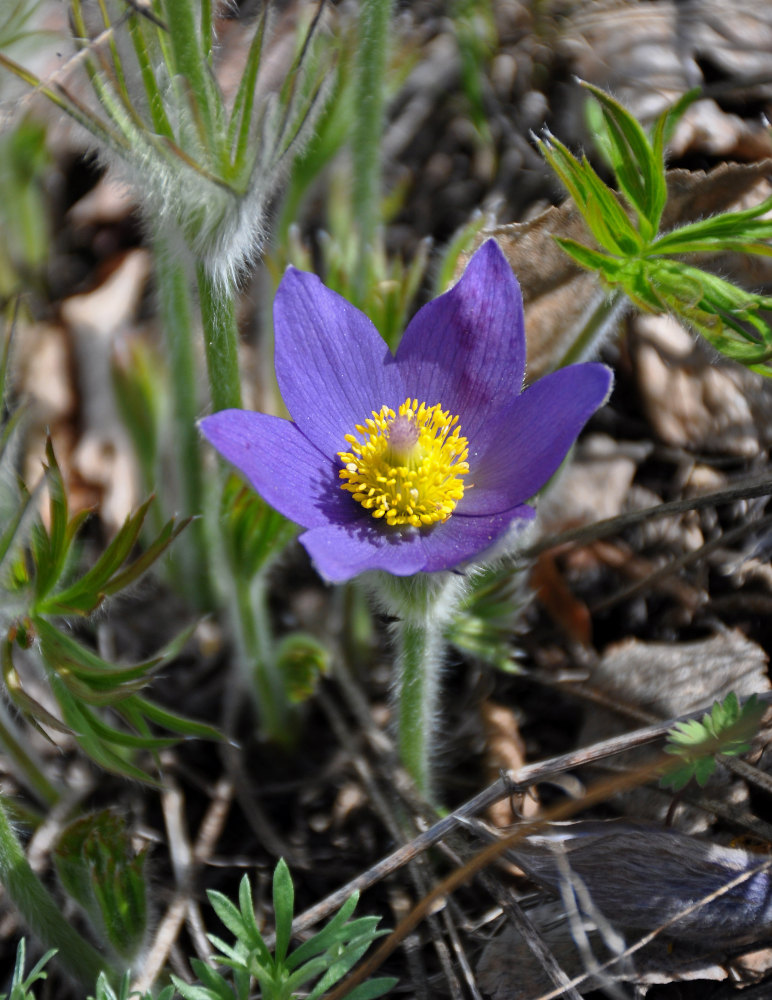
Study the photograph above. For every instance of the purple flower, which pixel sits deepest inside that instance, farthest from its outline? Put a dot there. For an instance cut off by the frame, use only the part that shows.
(416, 462)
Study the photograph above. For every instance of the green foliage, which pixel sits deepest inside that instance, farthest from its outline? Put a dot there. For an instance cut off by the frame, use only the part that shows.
(15, 21)
(644, 264)
(40, 588)
(98, 867)
(489, 617)
(354, 261)
(727, 730)
(253, 532)
(203, 167)
(302, 661)
(21, 985)
(24, 209)
(325, 958)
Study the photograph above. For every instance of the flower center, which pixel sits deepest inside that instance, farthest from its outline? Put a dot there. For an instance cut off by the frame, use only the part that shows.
(410, 466)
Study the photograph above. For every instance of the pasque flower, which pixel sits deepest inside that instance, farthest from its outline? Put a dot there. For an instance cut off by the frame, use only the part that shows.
(414, 462)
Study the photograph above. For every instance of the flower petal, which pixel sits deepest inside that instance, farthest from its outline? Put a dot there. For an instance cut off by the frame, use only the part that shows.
(332, 365)
(462, 538)
(342, 551)
(282, 465)
(533, 436)
(466, 349)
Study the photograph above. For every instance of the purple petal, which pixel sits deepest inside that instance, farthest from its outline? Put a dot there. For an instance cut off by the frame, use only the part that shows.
(466, 349)
(533, 436)
(461, 538)
(282, 465)
(342, 551)
(332, 365)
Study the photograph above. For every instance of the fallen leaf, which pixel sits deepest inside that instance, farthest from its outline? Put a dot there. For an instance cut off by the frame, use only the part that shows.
(690, 400)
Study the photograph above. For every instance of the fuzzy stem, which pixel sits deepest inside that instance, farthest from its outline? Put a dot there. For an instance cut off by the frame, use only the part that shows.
(221, 342)
(370, 101)
(423, 606)
(177, 325)
(419, 659)
(44, 916)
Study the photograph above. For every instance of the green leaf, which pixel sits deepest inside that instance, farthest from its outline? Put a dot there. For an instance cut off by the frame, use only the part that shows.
(90, 590)
(372, 988)
(742, 231)
(342, 962)
(227, 913)
(284, 907)
(727, 729)
(324, 938)
(666, 123)
(597, 203)
(171, 721)
(639, 172)
(301, 661)
(241, 115)
(592, 260)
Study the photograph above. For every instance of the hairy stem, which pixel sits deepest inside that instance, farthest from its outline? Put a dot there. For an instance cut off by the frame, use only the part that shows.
(596, 325)
(424, 605)
(419, 657)
(370, 100)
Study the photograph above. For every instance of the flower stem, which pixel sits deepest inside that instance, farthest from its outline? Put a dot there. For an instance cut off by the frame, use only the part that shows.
(177, 325)
(44, 916)
(419, 652)
(423, 605)
(370, 101)
(221, 341)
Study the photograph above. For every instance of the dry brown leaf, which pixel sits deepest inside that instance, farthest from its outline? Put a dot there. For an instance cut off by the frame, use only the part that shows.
(109, 201)
(563, 607)
(690, 401)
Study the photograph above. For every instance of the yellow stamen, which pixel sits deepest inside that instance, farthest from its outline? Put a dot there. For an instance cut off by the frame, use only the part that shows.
(409, 467)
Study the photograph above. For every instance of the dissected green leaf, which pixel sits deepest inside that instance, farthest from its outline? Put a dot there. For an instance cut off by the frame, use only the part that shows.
(646, 265)
(727, 729)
